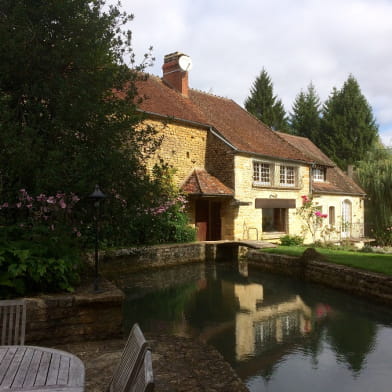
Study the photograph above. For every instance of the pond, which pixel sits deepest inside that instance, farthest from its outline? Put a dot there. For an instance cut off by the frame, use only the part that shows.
(279, 334)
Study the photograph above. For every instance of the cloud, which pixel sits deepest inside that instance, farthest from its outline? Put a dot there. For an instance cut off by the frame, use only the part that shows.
(230, 41)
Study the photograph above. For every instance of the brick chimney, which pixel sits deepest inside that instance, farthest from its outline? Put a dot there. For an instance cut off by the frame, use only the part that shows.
(175, 73)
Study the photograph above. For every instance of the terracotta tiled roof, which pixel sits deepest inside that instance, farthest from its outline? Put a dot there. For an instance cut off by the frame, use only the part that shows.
(337, 182)
(163, 100)
(239, 128)
(307, 147)
(200, 182)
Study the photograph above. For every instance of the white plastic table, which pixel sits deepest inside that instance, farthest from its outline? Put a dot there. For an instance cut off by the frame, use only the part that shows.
(31, 368)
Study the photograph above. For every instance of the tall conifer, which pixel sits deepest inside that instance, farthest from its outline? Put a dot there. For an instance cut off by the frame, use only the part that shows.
(305, 118)
(264, 105)
(348, 127)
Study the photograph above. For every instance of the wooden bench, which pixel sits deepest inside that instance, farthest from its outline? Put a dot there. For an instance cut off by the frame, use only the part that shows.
(134, 372)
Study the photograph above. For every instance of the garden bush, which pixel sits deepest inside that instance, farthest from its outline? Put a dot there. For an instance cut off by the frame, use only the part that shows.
(291, 240)
(39, 261)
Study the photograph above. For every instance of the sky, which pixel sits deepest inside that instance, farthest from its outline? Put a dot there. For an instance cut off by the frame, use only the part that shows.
(296, 41)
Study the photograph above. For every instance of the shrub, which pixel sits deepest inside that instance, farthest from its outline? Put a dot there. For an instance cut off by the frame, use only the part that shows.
(291, 240)
(36, 262)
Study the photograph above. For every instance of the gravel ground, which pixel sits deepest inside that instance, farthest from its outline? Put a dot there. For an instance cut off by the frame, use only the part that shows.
(179, 365)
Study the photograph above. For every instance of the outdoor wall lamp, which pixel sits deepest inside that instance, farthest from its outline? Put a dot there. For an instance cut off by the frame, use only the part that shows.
(97, 197)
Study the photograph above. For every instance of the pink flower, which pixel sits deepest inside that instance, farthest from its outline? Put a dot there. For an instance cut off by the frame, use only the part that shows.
(41, 197)
(18, 205)
(62, 203)
(51, 200)
(324, 215)
(5, 205)
(318, 213)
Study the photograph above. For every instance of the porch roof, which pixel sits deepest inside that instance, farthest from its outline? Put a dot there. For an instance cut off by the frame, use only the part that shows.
(201, 183)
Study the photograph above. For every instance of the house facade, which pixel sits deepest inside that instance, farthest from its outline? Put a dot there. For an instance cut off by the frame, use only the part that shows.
(243, 180)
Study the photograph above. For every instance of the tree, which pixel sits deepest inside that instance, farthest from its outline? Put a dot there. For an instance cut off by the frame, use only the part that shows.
(348, 127)
(305, 118)
(264, 105)
(68, 120)
(61, 63)
(375, 176)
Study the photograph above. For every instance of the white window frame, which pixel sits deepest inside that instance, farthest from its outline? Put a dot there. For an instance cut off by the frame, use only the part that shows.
(318, 174)
(262, 173)
(288, 176)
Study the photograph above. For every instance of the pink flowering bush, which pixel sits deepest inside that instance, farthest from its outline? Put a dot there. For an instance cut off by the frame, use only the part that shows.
(311, 215)
(42, 210)
(165, 223)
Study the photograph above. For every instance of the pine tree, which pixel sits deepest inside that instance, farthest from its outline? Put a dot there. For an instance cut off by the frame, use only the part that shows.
(348, 127)
(305, 118)
(264, 105)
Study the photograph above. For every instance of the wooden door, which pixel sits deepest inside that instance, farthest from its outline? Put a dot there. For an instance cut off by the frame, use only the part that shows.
(201, 219)
(208, 220)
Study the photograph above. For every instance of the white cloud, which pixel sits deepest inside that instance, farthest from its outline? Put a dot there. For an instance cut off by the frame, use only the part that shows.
(296, 41)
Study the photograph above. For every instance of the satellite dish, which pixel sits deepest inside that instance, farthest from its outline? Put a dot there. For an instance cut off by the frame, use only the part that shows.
(185, 63)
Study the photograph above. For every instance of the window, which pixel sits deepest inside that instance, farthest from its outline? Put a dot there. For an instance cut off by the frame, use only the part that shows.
(331, 215)
(275, 219)
(287, 175)
(261, 173)
(318, 174)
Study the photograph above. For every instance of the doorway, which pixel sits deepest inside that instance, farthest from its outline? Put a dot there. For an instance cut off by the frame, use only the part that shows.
(208, 220)
(346, 218)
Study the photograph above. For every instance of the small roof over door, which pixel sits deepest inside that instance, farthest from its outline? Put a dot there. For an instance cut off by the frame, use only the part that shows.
(201, 183)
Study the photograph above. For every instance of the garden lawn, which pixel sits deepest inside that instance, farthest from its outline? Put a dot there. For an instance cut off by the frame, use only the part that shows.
(375, 262)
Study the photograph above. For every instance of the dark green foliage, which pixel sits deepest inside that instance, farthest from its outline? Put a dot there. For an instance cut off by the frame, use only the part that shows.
(348, 127)
(264, 105)
(375, 176)
(305, 118)
(36, 260)
(60, 64)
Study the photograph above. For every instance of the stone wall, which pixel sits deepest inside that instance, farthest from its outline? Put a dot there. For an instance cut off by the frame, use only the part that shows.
(85, 315)
(183, 147)
(136, 259)
(363, 283)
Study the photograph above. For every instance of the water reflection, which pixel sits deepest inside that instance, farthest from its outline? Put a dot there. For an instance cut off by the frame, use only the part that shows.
(272, 329)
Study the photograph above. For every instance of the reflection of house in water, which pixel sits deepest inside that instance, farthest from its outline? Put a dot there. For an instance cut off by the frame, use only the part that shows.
(259, 324)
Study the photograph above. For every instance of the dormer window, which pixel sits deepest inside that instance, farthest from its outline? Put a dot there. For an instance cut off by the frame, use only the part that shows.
(318, 174)
(261, 173)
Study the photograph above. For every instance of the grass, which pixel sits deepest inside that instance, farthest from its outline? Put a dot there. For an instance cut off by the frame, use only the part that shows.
(374, 262)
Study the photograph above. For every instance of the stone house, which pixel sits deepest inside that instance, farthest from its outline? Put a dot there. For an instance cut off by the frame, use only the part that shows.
(243, 180)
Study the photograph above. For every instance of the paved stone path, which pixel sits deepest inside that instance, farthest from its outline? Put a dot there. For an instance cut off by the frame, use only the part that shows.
(179, 365)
